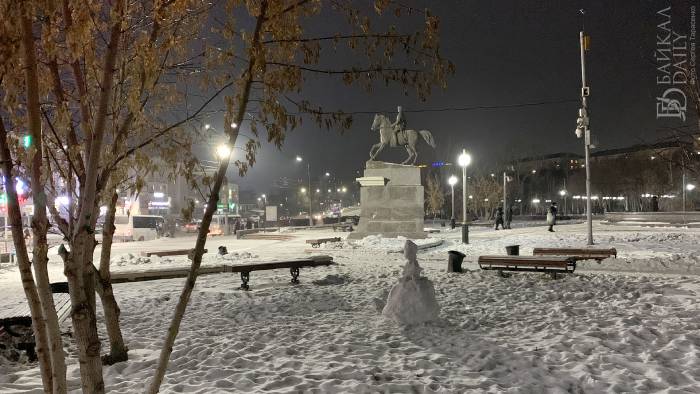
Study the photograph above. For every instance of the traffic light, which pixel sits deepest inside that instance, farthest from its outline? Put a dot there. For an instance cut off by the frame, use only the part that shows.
(27, 141)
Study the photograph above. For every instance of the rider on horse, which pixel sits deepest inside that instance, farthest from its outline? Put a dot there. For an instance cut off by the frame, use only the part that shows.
(399, 126)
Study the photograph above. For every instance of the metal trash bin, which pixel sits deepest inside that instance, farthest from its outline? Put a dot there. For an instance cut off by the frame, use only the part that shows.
(513, 250)
(454, 263)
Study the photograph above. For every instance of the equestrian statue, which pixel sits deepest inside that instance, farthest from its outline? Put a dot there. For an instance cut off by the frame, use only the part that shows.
(395, 135)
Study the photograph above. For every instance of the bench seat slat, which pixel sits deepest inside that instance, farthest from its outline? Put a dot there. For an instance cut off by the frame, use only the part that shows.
(577, 253)
(315, 262)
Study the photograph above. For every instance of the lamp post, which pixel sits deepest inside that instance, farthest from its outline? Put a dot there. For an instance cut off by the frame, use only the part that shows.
(452, 181)
(563, 194)
(688, 188)
(464, 160)
(308, 175)
(583, 131)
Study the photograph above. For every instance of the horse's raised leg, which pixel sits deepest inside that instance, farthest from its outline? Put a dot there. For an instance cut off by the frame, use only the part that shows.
(381, 147)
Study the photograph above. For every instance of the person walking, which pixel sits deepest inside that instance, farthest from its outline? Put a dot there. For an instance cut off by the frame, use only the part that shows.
(509, 216)
(552, 216)
(499, 218)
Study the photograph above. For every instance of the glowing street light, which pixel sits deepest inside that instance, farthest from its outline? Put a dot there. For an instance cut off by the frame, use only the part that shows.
(328, 174)
(223, 151)
(690, 187)
(299, 159)
(207, 126)
(303, 190)
(464, 160)
(452, 181)
(343, 189)
(562, 193)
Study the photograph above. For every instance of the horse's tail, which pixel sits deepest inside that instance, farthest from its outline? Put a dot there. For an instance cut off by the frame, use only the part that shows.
(427, 137)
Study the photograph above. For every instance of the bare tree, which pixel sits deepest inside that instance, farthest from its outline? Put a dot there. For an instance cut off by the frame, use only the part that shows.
(276, 57)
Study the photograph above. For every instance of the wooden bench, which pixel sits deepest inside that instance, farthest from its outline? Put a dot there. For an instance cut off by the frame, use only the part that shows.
(315, 243)
(549, 264)
(19, 318)
(293, 265)
(577, 253)
(347, 226)
(176, 252)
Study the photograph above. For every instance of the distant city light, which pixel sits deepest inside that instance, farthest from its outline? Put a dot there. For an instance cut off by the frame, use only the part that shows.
(234, 125)
(562, 193)
(158, 194)
(344, 189)
(303, 190)
(689, 187)
(452, 180)
(299, 158)
(328, 174)
(535, 200)
(207, 126)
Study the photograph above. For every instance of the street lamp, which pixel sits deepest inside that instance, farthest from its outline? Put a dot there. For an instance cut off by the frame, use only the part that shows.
(223, 151)
(308, 174)
(452, 181)
(688, 188)
(562, 193)
(464, 160)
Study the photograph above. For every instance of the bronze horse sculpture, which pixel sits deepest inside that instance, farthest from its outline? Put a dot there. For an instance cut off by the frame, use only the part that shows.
(388, 136)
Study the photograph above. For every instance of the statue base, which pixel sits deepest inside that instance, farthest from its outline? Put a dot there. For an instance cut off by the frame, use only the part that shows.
(394, 209)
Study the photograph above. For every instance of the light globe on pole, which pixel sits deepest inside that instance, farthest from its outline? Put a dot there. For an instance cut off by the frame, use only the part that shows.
(223, 151)
(690, 187)
(452, 181)
(464, 160)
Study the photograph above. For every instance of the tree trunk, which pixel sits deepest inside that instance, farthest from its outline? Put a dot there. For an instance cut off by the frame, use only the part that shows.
(25, 270)
(79, 268)
(181, 306)
(117, 348)
(40, 221)
(81, 288)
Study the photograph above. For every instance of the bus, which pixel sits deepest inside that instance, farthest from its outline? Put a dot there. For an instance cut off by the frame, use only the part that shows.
(138, 227)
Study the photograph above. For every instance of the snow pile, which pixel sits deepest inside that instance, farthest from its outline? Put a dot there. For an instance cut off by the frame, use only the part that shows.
(412, 300)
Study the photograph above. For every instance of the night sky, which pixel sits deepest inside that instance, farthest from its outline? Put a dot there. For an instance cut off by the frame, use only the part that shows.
(505, 52)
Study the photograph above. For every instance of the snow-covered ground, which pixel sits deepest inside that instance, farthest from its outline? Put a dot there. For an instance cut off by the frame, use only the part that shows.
(629, 324)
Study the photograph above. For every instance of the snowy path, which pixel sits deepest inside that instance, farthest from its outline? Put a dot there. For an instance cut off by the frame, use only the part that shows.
(589, 332)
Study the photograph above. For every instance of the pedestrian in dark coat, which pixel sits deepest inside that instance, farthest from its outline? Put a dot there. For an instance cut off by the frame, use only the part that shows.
(499, 218)
(509, 216)
(552, 216)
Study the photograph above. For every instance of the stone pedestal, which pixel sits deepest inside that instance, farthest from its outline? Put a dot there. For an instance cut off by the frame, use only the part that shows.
(395, 209)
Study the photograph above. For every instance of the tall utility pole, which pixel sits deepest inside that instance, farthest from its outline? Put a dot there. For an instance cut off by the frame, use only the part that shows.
(582, 130)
